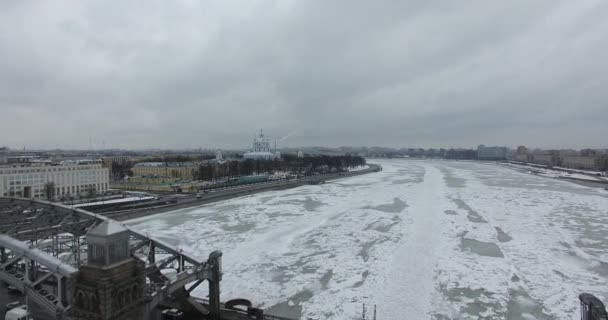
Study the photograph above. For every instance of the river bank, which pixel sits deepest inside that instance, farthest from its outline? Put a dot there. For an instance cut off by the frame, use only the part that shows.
(192, 201)
(578, 178)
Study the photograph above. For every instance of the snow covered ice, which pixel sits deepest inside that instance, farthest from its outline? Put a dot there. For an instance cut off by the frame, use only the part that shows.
(421, 240)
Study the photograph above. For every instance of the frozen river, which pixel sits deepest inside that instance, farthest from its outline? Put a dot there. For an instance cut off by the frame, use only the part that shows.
(421, 240)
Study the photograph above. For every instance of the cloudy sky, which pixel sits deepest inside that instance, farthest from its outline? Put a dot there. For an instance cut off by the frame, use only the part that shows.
(139, 74)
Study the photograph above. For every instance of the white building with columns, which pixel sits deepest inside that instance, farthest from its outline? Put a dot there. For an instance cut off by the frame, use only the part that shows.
(261, 149)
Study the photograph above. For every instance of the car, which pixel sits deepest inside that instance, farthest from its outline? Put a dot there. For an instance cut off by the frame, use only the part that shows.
(13, 305)
(18, 313)
(198, 196)
(13, 289)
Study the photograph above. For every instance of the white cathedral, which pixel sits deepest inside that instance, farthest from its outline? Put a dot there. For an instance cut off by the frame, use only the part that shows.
(261, 149)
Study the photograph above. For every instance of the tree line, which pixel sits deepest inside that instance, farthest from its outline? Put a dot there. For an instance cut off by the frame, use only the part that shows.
(290, 163)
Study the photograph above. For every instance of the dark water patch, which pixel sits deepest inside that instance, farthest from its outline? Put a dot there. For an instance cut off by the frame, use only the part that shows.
(515, 278)
(312, 205)
(364, 252)
(522, 306)
(284, 309)
(386, 228)
(396, 207)
(472, 215)
(452, 181)
(326, 278)
(451, 212)
(487, 249)
(502, 236)
(364, 276)
(475, 304)
(280, 274)
(366, 246)
(308, 203)
(383, 226)
(239, 228)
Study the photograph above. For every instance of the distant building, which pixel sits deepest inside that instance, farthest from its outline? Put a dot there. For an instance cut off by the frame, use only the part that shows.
(522, 155)
(21, 159)
(121, 160)
(3, 158)
(491, 153)
(546, 157)
(182, 170)
(583, 162)
(300, 154)
(69, 178)
(261, 149)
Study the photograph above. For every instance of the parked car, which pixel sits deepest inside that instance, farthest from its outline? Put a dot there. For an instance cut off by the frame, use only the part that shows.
(13, 289)
(13, 305)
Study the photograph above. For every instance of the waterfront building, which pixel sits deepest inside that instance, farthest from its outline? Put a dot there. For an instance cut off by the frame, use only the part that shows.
(583, 162)
(491, 153)
(182, 170)
(522, 154)
(68, 178)
(3, 158)
(261, 149)
(548, 158)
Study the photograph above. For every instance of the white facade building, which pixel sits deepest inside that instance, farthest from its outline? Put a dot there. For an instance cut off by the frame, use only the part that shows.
(261, 149)
(69, 178)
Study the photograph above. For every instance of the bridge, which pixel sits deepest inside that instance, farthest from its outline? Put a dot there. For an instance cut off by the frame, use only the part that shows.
(43, 248)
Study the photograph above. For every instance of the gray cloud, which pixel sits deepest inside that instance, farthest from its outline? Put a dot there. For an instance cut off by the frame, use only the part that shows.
(392, 73)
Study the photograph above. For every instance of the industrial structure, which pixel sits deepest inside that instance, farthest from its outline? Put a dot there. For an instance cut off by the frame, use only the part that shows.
(74, 264)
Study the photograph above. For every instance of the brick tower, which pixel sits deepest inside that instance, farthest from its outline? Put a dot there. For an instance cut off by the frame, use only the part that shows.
(111, 284)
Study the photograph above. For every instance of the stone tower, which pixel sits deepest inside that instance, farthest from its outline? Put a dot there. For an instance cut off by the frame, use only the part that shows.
(111, 284)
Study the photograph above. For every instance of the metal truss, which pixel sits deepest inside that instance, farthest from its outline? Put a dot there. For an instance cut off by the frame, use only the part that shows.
(43, 244)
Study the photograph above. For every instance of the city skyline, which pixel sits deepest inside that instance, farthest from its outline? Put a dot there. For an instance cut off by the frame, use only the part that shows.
(143, 75)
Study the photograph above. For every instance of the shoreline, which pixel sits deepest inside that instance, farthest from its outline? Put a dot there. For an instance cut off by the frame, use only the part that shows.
(236, 193)
(582, 182)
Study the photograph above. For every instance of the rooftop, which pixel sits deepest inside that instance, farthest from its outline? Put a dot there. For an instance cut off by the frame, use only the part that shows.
(107, 228)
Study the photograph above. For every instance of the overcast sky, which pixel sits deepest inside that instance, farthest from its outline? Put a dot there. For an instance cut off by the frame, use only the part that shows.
(173, 74)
